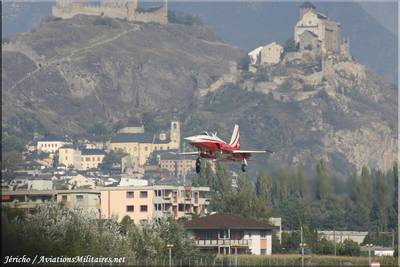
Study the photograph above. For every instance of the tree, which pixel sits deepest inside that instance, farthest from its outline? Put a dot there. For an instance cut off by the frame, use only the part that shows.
(264, 187)
(113, 157)
(323, 180)
(349, 248)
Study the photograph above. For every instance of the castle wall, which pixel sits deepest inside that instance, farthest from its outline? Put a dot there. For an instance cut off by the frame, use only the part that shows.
(120, 9)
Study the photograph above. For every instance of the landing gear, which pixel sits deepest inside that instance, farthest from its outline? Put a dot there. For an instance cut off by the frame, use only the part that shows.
(244, 165)
(198, 165)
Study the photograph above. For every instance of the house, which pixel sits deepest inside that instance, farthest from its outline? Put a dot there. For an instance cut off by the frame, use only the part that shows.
(145, 203)
(51, 143)
(271, 53)
(222, 233)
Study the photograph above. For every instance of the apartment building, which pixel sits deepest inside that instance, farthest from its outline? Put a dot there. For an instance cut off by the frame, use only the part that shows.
(50, 144)
(88, 200)
(80, 159)
(145, 203)
(176, 165)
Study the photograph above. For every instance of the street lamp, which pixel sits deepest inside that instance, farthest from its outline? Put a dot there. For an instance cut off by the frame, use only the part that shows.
(236, 248)
(302, 246)
(170, 246)
(369, 246)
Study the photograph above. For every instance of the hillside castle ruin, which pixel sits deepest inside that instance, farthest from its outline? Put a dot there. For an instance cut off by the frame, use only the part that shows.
(123, 9)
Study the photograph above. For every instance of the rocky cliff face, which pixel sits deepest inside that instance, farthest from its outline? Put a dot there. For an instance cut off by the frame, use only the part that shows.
(69, 74)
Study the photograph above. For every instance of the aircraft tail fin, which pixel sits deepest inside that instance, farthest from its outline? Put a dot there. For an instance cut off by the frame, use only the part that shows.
(235, 137)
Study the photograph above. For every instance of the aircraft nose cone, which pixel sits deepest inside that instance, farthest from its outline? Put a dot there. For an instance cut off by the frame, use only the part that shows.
(189, 139)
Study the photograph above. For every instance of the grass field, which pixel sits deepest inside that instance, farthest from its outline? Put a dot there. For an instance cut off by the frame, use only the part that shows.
(309, 260)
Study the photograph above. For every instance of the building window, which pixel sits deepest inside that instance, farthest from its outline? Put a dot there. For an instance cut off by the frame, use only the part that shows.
(87, 159)
(79, 197)
(145, 148)
(263, 251)
(143, 194)
(66, 158)
(129, 194)
(98, 158)
(64, 198)
(157, 193)
(208, 236)
(129, 208)
(223, 234)
(263, 234)
(180, 208)
(142, 222)
(143, 208)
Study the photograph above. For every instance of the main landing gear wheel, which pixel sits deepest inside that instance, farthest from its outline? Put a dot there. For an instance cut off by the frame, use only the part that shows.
(244, 167)
(198, 165)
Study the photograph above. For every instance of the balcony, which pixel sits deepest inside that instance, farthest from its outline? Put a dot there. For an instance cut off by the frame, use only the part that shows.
(223, 242)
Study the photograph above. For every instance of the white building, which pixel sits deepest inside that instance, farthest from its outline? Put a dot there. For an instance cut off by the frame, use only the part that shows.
(341, 236)
(255, 55)
(51, 144)
(40, 184)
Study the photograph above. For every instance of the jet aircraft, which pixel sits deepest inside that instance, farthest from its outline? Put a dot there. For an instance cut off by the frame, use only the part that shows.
(210, 146)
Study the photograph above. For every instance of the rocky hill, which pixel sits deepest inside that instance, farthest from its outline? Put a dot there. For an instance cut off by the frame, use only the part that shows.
(69, 74)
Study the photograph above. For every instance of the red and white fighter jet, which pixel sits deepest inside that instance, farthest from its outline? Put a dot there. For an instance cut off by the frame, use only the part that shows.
(210, 146)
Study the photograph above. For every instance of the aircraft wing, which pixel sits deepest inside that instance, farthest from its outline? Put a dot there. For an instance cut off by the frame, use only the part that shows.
(252, 151)
(194, 153)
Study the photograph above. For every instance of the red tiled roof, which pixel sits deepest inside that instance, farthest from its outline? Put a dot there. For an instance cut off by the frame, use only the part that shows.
(224, 221)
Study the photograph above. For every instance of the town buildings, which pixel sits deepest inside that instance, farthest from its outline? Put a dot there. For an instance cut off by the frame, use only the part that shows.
(80, 159)
(141, 145)
(223, 233)
(340, 236)
(141, 203)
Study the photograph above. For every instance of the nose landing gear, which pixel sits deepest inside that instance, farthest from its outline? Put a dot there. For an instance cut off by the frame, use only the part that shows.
(198, 165)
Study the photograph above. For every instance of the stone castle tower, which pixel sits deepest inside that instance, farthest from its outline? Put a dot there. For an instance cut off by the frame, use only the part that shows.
(123, 9)
(305, 7)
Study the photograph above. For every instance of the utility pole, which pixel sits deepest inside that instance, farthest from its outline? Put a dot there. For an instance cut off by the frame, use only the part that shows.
(170, 246)
(369, 246)
(334, 240)
(302, 246)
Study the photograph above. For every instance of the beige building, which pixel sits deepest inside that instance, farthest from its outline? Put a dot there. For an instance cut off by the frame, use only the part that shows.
(271, 53)
(87, 199)
(141, 145)
(144, 203)
(177, 166)
(91, 158)
(326, 30)
(69, 157)
(84, 159)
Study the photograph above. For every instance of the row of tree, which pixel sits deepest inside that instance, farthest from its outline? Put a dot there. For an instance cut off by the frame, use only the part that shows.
(56, 231)
(363, 202)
